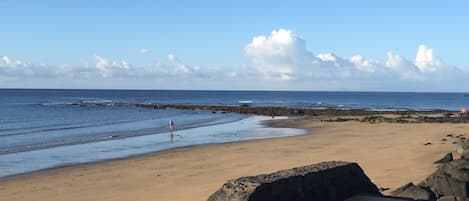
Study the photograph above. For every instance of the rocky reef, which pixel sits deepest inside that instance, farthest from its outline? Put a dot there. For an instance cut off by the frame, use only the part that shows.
(417, 117)
(336, 115)
(327, 181)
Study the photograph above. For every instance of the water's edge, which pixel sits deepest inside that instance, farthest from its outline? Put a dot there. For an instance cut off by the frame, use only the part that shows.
(262, 126)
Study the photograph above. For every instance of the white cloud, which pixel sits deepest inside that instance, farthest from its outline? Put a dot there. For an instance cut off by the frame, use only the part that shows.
(363, 64)
(178, 66)
(10, 67)
(144, 51)
(5, 61)
(280, 58)
(327, 57)
(282, 55)
(404, 68)
(279, 55)
(108, 69)
(426, 61)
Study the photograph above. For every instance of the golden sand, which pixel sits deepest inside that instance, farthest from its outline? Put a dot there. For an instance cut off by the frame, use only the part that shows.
(390, 154)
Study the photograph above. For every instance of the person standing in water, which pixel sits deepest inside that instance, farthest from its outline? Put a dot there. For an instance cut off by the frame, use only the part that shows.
(171, 125)
(171, 128)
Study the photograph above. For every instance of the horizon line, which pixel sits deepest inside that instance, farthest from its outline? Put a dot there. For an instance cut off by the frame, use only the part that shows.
(239, 90)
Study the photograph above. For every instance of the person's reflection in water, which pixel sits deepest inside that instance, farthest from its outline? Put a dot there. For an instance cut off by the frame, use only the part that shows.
(171, 135)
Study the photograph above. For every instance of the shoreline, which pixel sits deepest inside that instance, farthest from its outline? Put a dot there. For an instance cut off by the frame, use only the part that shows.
(125, 134)
(150, 144)
(197, 171)
(72, 165)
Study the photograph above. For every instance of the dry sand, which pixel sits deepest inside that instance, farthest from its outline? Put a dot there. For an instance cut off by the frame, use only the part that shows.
(390, 154)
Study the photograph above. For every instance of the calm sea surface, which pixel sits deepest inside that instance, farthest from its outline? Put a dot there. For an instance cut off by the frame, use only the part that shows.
(45, 128)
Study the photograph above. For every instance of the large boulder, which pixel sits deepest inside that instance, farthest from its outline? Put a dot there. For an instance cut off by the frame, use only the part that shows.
(415, 192)
(327, 181)
(451, 179)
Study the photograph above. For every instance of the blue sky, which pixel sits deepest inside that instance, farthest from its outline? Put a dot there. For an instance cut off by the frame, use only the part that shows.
(210, 38)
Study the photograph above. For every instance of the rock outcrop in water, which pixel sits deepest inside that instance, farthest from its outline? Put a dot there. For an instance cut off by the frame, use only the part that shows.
(371, 116)
(262, 110)
(327, 181)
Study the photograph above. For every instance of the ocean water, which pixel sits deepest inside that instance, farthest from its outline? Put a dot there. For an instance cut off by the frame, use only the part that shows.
(46, 128)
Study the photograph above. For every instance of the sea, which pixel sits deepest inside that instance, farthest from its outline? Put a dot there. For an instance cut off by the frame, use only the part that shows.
(48, 128)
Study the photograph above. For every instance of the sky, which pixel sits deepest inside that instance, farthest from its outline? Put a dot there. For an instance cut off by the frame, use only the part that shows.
(398, 45)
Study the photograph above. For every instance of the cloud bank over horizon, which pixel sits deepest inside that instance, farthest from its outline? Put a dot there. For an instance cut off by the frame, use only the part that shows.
(279, 61)
(283, 55)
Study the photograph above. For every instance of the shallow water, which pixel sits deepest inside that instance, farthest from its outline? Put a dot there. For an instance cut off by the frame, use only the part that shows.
(247, 128)
(47, 128)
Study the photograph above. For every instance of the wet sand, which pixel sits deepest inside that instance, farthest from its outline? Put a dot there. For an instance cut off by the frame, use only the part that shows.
(390, 154)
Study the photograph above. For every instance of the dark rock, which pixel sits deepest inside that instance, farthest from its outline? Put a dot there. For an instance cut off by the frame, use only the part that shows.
(451, 179)
(381, 189)
(452, 198)
(428, 143)
(447, 198)
(327, 181)
(444, 139)
(447, 158)
(415, 192)
(465, 155)
(246, 108)
(450, 135)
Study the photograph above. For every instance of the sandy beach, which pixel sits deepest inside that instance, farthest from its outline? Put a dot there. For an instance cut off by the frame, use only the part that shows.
(391, 155)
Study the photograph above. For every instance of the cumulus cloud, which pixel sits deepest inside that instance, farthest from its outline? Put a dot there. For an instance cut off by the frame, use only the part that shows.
(108, 69)
(403, 68)
(17, 68)
(280, 59)
(279, 55)
(105, 69)
(282, 55)
(363, 64)
(426, 61)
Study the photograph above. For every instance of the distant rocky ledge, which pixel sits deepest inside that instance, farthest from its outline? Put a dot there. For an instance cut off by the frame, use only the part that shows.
(418, 117)
(332, 114)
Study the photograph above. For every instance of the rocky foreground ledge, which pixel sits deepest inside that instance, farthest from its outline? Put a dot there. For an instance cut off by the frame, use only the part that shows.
(450, 182)
(333, 114)
(327, 181)
(344, 181)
